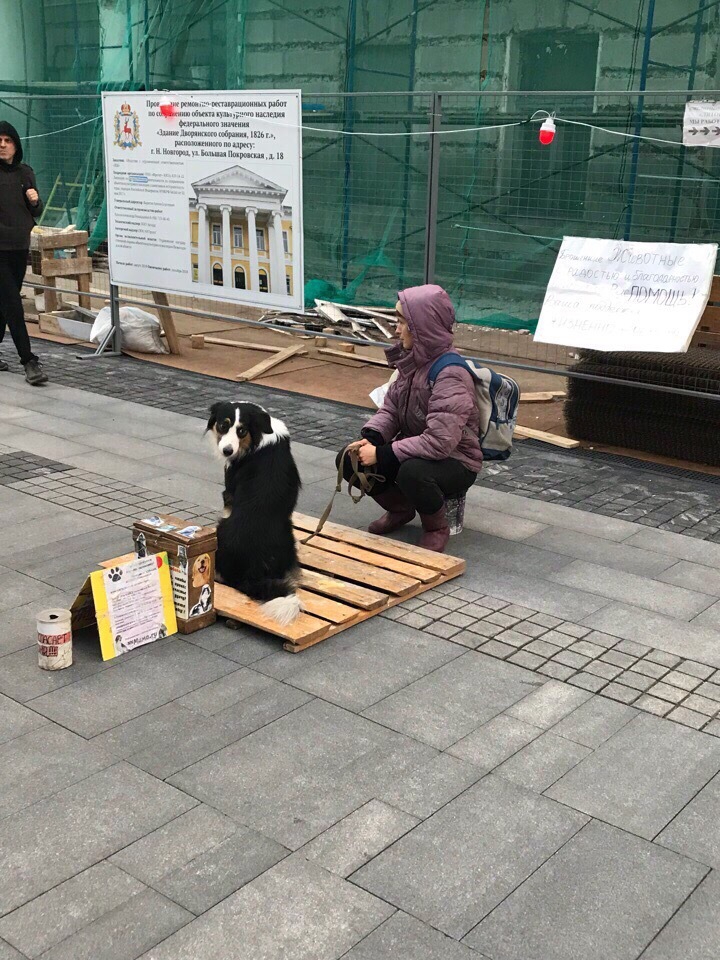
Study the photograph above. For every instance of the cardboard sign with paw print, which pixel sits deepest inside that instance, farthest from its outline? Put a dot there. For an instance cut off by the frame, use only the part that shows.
(131, 602)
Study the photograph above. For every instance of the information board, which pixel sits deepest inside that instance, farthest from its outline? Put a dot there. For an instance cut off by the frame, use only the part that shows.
(626, 296)
(204, 194)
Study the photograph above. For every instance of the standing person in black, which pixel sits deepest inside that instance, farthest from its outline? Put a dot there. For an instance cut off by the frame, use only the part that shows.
(20, 203)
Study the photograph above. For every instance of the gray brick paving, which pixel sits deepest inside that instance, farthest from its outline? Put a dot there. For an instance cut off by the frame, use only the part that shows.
(519, 767)
(694, 931)
(470, 841)
(642, 776)
(614, 487)
(578, 900)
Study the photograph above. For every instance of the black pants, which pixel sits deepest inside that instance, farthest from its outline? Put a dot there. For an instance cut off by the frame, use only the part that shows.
(13, 264)
(425, 483)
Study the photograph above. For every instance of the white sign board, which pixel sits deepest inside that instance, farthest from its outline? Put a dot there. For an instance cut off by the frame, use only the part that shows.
(701, 124)
(206, 201)
(622, 295)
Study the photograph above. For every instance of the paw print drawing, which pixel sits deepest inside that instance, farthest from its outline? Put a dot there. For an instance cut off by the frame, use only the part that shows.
(115, 574)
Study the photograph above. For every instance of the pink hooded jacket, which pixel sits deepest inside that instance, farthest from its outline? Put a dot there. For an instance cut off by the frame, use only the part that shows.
(417, 421)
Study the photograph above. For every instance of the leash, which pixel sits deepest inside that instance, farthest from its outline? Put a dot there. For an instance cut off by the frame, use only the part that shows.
(364, 481)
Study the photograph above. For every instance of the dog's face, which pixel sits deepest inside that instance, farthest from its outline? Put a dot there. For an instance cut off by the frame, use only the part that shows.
(241, 428)
(201, 570)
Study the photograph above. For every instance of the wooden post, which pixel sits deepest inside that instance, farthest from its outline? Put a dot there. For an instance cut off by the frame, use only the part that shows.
(167, 321)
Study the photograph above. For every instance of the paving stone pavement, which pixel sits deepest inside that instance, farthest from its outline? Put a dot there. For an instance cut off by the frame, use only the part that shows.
(658, 497)
(522, 764)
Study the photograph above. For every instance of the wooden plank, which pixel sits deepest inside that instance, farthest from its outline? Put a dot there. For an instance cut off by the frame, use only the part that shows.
(298, 647)
(52, 301)
(346, 355)
(394, 548)
(334, 314)
(382, 321)
(393, 583)
(351, 593)
(265, 365)
(62, 241)
(710, 322)
(383, 561)
(529, 434)
(326, 609)
(709, 341)
(66, 268)
(542, 397)
(236, 606)
(243, 344)
(83, 285)
(50, 324)
(167, 320)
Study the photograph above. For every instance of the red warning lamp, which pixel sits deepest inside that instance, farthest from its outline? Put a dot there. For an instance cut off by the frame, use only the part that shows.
(546, 133)
(167, 108)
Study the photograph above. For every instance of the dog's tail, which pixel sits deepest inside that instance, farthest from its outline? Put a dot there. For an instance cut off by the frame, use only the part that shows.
(284, 610)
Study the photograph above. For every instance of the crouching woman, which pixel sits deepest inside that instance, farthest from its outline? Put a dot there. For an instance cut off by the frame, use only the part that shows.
(422, 441)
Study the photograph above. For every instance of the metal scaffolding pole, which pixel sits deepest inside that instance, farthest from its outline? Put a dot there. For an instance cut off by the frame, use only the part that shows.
(639, 119)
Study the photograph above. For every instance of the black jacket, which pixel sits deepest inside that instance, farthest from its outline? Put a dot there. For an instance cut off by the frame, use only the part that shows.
(17, 214)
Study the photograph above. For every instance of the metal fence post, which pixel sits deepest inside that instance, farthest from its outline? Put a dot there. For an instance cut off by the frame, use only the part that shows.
(115, 342)
(110, 345)
(433, 181)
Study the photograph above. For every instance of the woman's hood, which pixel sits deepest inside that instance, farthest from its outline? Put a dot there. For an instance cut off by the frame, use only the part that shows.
(430, 316)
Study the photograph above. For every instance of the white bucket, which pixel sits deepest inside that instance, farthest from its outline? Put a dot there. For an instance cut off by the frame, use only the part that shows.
(54, 633)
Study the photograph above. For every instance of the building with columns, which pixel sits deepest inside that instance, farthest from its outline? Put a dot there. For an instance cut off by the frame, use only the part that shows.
(241, 232)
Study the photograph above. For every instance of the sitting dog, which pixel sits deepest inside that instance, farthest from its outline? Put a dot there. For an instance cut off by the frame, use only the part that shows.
(256, 551)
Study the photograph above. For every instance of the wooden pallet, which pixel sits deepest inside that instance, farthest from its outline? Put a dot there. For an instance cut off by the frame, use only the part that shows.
(347, 576)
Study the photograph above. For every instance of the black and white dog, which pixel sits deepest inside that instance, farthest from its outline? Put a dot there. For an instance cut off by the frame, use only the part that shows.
(256, 551)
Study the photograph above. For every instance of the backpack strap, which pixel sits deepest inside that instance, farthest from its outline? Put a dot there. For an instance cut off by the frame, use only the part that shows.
(446, 360)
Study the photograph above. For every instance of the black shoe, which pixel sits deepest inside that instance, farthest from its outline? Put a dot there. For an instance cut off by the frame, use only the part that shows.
(34, 373)
(3, 365)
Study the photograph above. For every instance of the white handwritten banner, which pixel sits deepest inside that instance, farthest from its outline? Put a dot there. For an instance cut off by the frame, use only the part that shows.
(701, 123)
(622, 295)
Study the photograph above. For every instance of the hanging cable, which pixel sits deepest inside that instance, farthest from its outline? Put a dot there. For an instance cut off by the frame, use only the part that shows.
(52, 133)
(538, 117)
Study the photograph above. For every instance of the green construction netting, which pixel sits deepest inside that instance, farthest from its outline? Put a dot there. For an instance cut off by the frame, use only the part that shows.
(503, 202)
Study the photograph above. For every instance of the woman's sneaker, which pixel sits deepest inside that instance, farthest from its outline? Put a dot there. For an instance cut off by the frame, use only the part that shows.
(34, 373)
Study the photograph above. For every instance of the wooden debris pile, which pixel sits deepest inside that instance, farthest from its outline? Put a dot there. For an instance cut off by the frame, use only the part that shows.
(360, 323)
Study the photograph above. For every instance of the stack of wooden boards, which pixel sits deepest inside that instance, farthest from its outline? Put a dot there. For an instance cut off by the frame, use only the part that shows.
(347, 576)
(359, 323)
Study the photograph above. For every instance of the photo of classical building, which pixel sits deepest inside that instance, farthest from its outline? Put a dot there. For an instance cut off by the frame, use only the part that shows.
(241, 232)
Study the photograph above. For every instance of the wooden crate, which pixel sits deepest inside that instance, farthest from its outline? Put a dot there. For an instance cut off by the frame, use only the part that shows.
(77, 267)
(347, 576)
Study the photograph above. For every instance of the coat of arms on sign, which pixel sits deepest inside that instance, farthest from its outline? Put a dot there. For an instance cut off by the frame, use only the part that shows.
(127, 128)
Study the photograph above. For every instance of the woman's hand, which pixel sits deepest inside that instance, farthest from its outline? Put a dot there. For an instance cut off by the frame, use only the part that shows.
(32, 195)
(367, 454)
(356, 444)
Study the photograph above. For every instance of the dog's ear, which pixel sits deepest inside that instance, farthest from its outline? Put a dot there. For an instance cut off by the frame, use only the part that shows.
(214, 409)
(259, 424)
(263, 421)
